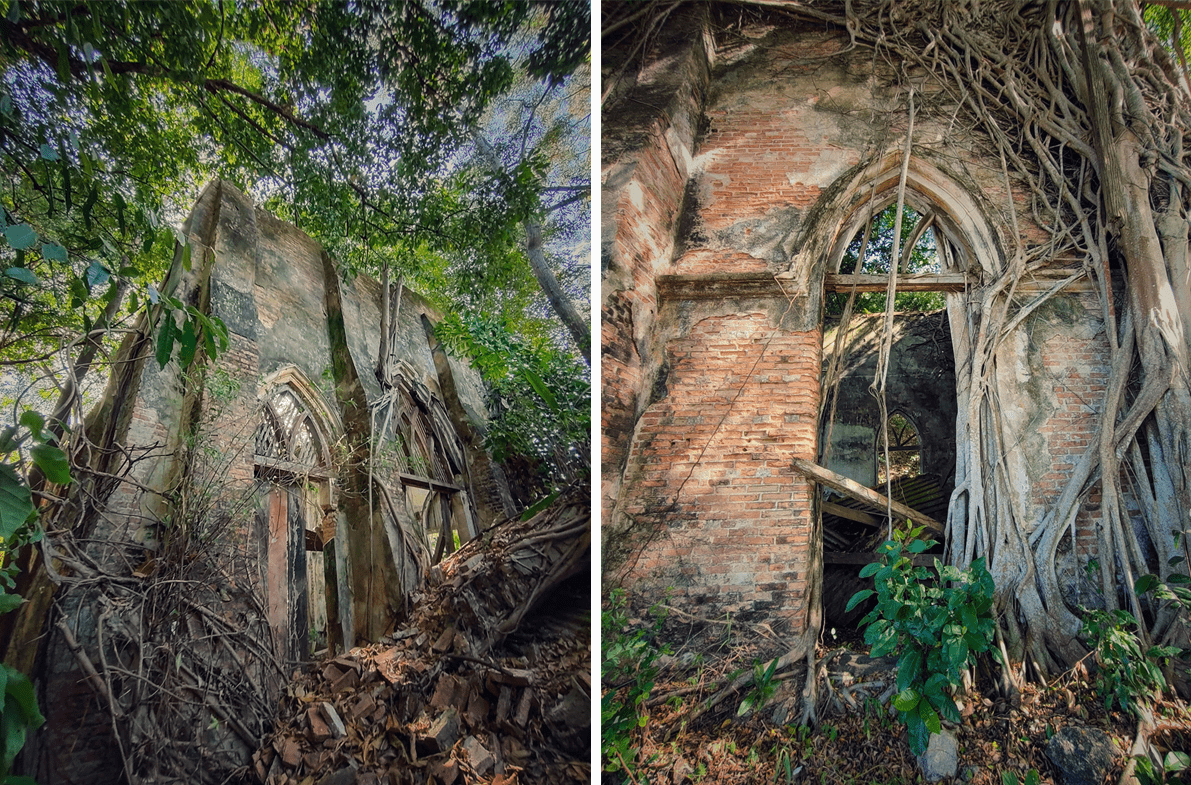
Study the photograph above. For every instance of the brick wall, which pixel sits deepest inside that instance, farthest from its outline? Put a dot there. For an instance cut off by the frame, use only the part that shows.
(721, 515)
(647, 146)
(1076, 367)
(792, 133)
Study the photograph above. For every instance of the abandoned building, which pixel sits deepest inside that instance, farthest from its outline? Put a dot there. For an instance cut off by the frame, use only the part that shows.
(239, 465)
(743, 154)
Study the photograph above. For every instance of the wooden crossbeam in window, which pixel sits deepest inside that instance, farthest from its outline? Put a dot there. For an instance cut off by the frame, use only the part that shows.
(841, 511)
(919, 560)
(418, 481)
(302, 469)
(918, 282)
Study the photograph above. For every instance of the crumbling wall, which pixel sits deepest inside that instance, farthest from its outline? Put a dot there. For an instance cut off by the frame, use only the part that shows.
(195, 479)
(713, 306)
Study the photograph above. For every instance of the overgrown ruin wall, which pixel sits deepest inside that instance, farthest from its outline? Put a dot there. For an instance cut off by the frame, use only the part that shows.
(267, 281)
(739, 160)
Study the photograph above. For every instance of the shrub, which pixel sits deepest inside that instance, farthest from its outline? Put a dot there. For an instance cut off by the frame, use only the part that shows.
(628, 667)
(937, 621)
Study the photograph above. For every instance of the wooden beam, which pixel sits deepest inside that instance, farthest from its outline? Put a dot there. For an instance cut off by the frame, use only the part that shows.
(918, 560)
(841, 511)
(426, 483)
(920, 282)
(853, 489)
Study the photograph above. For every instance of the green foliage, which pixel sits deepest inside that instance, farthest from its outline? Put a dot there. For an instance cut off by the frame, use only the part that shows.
(628, 667)
(1126, 677)
(937, 622)
(18, 528)
(1011, 778)
(538, 398)
(1174, 770)
(763, 688)
(923, 258)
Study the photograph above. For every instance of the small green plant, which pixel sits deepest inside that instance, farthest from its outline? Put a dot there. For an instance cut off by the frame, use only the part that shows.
(1175, 767)
(1126, 677)
(628, 667)
(937, 622)
(763, 688)
(1010, 778)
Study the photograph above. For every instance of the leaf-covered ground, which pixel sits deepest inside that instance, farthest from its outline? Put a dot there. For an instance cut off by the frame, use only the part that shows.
(860, 743)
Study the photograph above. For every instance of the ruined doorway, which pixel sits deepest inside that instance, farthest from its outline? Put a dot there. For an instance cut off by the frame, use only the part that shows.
(899, 443)
(293, 473)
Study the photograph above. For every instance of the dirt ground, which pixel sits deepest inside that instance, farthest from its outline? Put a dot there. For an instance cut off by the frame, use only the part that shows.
(856, 741)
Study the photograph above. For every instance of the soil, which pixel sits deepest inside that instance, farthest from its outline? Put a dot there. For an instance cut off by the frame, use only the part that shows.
(858, 739)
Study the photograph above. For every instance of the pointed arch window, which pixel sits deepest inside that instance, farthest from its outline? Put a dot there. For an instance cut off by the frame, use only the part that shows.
(288, 438)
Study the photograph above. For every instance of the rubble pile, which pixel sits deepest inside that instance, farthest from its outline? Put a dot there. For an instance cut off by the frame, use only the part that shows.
(487, 682)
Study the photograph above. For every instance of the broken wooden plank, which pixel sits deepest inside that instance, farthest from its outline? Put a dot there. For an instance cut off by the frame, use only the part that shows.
(919, 282)
(841, 511)
(849, 487)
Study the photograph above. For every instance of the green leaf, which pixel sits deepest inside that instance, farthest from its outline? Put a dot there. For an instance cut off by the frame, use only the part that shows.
(188, 343)
(21, 236)
(1176, 761)
(906, 700)
(165, 339)
(919, 546)
(34, 422)
(540, 388)
(53, 252)
(88, 204)
(20, 689)
(1145, 583)
(53, 462)
(929, 717)
(16, 504)
(48, 153)
(97, 274)
(870, 570)
(909, 667)
(10, 602)
(538, 506)
(919, 736)
(858, 598)
(23, 275)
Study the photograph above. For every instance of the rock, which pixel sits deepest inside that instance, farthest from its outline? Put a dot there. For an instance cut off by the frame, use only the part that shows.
(941, 759)
(1082, 756)
(572, 712)
(289, 750)
(480, 758)
(444, 731)
(335, 724)
(319, 730)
